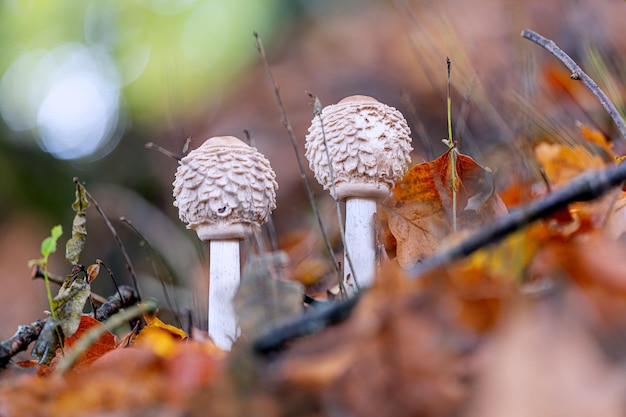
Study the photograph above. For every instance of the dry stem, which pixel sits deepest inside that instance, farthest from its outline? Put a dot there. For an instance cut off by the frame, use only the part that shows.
(578, 74)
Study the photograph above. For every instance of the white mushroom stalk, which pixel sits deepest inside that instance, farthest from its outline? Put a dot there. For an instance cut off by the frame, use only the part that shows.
(368, 151)
(224, 190)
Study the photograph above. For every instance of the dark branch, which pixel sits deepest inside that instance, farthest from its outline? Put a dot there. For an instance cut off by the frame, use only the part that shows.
(124, 297)
(19, 342)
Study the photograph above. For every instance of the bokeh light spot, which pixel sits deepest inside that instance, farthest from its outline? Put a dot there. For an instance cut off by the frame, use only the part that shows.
(69, 97)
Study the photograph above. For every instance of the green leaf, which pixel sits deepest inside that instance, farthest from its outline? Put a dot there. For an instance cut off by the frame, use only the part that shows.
(76, 243)
(49, 244)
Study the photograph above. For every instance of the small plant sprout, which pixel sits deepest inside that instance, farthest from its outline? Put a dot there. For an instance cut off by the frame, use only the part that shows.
(357, 149)
(224, 190)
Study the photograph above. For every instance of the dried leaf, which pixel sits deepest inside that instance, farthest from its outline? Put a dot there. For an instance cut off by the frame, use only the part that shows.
(69, 304)
(561, 164)
(76, 243)
(92, 272)
(49, 340)
(105, 343)
(161, 338)
(263, 300)
(419, 209)
(597, 138)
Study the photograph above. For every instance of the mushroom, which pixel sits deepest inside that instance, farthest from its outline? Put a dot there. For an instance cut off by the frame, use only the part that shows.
(224, 190)
(368, 151)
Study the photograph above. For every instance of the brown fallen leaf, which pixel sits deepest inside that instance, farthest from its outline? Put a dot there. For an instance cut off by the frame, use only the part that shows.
(419, 209)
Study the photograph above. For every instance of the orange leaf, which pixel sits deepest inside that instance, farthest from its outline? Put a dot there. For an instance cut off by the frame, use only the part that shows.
(596, 137)
(420, 212)
(159, 337)
(560, 81)
(105, 343)
(561, 163)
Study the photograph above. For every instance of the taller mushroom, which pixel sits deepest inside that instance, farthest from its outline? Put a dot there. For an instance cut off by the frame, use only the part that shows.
(368, 151)
(224, 190)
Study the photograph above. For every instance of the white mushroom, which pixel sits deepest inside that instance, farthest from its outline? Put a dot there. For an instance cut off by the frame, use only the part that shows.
(224, 190)
(369, 150)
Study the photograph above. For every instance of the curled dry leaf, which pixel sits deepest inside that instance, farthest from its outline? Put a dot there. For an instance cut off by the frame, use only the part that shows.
(76, 243)
(419, 210)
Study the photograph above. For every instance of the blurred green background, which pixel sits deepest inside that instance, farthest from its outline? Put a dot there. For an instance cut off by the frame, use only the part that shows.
(84, 85)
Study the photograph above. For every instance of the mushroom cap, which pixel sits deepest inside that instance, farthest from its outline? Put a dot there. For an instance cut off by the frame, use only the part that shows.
(224, 189)
(368, 143)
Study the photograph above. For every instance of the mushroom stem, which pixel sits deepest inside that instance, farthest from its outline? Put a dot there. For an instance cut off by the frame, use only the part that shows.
(360, 244)
(224, 272)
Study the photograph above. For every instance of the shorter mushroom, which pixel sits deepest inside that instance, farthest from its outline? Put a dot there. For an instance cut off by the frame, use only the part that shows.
(224, 190)
(358, 150)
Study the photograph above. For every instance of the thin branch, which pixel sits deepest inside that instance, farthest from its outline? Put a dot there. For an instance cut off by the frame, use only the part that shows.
(129, 264)
(578, 74)
(317, 112)
(19, 342)
(125, 297)
(271, 226)
(152, 254)
(315, 320)
(56, 279)
(155, 147)
(294, 144)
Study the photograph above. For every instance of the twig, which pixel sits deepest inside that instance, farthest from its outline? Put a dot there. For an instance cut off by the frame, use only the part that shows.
(19, 342)
(93, 334)
(129, 264)
(317, 112)
(155, 147)
(578, 74)
(56, 279)
(294, 144)
(125, 297)
(311, 322)
(271, 226)
(152, 254)
(586, 187)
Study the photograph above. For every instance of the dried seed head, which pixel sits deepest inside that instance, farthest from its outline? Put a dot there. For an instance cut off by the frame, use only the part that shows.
(224, 189)
(368, 144)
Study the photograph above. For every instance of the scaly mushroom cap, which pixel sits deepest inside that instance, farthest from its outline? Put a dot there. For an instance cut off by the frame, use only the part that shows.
(224, 189)
(368, 144)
